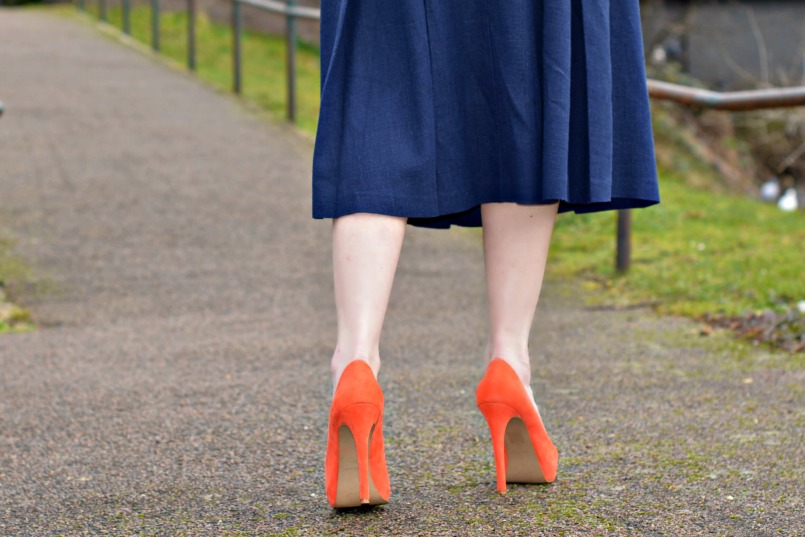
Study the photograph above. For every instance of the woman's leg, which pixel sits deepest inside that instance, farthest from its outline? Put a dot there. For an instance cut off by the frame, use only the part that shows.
(516, 241)
(366, 248)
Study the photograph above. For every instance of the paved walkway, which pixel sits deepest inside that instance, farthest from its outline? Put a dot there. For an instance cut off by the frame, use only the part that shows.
(179, 385)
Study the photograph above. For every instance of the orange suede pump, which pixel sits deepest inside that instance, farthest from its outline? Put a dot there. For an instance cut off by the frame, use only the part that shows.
(523, 451)
(355, 465)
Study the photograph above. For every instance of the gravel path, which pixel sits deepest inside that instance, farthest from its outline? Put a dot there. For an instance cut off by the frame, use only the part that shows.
(179, 382)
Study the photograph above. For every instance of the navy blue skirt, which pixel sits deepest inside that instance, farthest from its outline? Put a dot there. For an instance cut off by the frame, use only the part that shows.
(430, 108)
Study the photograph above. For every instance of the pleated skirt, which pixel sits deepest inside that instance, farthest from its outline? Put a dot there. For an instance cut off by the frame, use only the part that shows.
(430, 108)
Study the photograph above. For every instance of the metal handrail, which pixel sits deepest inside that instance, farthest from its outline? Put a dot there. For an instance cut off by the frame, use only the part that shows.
(291, 12)
(727, 100)
(289, 9)
(285, 9)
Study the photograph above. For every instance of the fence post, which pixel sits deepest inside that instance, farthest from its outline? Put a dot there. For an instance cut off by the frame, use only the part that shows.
(291, 63)
(624, 250)
(191, 35)
(236, 34)
(102, 9)
(155, 25)
(127, 17)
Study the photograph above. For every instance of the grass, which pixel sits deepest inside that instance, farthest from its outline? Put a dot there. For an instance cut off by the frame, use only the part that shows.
(700, 250)
(12, 317)
(693, 253)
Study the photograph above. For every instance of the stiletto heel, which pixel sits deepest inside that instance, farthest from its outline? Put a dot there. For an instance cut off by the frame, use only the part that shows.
(523, 451)
(355, 464)
(498, 416)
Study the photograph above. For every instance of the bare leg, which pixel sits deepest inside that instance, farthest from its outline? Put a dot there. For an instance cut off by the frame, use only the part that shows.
(516, 241)
(366, 249)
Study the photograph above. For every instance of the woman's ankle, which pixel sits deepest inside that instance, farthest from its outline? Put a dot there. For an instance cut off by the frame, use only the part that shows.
(519, 360)
(341, 360)
(522, 367)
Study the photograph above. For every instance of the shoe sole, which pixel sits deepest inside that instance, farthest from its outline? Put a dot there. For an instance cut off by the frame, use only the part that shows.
(348, 490)
(523, 464)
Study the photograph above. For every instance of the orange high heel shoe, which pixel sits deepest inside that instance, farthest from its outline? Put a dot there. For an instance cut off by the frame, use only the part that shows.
(355, 466)
(523, 451)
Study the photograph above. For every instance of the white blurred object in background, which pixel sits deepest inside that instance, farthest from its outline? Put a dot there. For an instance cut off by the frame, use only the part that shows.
(788, 201)
(770, 190)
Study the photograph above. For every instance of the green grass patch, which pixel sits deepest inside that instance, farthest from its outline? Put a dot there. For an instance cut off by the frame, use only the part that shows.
(12, 317)
(695, 252)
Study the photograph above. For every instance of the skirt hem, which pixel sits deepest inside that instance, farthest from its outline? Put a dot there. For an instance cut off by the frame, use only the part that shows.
(471, 217)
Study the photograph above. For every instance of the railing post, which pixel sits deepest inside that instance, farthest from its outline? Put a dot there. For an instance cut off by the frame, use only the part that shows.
(127, 17)
(191, 35)
(102, 9)
(291, 50)
(236, 35)
(155, 25)
(81, 5)
(624, 250)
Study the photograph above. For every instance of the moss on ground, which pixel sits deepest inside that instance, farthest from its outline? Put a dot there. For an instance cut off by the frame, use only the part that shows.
(13, 318)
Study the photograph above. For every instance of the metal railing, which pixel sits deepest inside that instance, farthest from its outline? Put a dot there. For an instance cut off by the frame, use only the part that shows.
(291, 12)
(737, 100)
(288, 8)
(729, 100)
